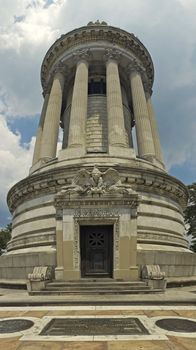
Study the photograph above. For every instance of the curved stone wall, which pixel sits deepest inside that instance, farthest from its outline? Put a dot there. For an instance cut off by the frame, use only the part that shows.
(160, 227)
(34, 224)
(160, 217)
(96, 124)
(160, 221)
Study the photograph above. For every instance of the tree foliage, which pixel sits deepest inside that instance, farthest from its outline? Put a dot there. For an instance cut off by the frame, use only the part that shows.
(5, 236)
(190, 215)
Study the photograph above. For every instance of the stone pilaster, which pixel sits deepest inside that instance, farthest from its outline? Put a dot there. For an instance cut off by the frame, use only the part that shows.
(77, 127)
(143, 128)
(116, 124)
(52, 118)
(36, 154)
(155, 133)
(59, 270)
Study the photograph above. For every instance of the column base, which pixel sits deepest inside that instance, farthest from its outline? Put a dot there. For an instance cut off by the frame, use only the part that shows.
(130, 274)
(134, 272)
(123, 152)
(59, 273)
(159, 164)
(151, 158)
(71, 152)
(40, 163)
(71, 275)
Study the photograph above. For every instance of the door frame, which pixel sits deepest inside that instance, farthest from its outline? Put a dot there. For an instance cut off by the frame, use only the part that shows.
(109, 249)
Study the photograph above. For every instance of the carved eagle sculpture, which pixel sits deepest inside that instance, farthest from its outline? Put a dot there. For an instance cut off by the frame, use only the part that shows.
(85, 182)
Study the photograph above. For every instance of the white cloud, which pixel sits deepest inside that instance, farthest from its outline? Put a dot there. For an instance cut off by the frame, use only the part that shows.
(15, 160)
(25, 35)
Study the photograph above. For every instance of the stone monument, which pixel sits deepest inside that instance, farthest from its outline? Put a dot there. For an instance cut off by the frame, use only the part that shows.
(103, 205)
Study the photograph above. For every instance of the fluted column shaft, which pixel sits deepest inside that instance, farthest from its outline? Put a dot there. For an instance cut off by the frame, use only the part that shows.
(77, 126)
(116, 125)
(36, 154)
(155, 133)
(52, 118)
(143, 127)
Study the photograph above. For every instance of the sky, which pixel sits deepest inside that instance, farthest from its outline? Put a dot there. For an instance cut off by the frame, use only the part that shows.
(28, 28)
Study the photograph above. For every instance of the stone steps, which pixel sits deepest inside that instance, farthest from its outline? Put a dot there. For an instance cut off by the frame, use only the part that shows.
(95, 287)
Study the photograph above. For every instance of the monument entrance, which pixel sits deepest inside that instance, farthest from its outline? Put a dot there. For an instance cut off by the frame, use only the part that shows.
(96, 247)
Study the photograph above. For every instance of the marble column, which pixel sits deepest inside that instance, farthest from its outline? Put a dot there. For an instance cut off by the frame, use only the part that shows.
(116, 124)
(36, 154)
(155, 133)
(143, 127)
(77, 126)
(52, 118)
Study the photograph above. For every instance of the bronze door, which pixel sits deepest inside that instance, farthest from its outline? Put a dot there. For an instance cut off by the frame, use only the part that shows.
(96, 247)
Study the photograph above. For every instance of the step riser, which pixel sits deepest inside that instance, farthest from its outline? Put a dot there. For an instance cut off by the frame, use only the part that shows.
(92, 288)
(96, 284)
(97, 293)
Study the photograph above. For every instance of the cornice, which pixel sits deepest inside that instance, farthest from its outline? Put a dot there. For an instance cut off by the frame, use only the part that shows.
(51, 182)
(131, 201)
(112, 54)
(96, 33)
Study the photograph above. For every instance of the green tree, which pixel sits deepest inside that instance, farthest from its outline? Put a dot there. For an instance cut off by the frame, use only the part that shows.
(190, 215)
(5, 236)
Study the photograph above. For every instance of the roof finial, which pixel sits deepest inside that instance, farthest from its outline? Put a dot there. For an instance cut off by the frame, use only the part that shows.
(103, 23)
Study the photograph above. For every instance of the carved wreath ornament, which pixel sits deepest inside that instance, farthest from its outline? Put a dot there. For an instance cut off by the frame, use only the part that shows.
(97, 182)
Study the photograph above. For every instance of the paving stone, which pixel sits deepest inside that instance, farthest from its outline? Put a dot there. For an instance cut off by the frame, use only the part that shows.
(108, 312)
(5, 314)
(186, 313)
(183, 343)
(73, 313)
(38, 314)
(140, 345)
(9, 343)
(132, 312)
(86, 346)
(40, 346)
(154, 313)
(63, 313)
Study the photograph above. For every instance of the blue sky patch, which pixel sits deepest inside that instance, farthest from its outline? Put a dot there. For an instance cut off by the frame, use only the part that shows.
(27, 127)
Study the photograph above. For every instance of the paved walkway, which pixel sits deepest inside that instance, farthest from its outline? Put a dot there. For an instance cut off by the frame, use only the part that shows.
(184, 295)
(173, 306)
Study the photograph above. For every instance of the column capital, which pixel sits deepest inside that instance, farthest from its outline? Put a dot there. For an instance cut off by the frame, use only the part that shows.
(46, 89)
(60, 67)
(112, 54)
(135, 66)
(147, 88)
(82, 55)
